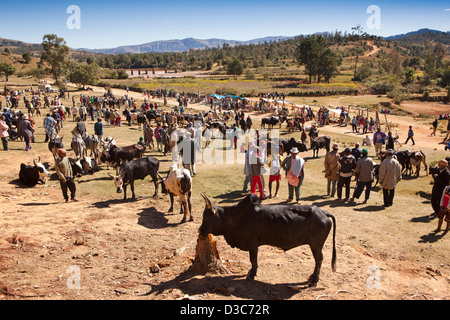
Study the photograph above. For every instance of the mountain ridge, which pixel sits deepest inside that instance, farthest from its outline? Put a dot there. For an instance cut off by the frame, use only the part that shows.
(182, 45)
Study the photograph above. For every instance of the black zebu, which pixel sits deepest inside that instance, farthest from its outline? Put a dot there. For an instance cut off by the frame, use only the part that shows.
(270, 121)
(319, 143)
(31, 175)
(115, 155)
(249, 224)
(137, 169)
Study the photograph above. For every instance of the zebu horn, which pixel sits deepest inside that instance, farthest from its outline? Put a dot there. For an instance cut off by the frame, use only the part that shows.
(207, 201)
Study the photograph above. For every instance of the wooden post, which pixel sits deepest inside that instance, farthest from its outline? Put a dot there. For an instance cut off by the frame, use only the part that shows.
(387, 123)
(207, 258)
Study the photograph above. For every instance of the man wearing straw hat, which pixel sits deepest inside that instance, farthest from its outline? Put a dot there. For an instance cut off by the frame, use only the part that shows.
(390, 174)
(65, 174)
(293, 165)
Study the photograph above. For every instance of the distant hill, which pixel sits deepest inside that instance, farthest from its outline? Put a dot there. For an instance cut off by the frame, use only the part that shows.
(419, 36)
(181, 45)
(20, 47)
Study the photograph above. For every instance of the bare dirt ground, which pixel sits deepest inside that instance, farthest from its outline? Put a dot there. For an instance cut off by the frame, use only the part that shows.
(106, 248)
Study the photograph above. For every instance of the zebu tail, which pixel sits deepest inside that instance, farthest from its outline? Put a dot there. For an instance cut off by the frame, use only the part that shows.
(333, 259)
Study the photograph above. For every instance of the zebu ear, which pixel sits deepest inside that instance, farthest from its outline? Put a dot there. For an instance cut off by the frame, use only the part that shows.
(207, 201)
(112, 177)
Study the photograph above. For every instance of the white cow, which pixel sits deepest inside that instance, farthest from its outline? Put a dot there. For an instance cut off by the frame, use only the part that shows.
(179, 183)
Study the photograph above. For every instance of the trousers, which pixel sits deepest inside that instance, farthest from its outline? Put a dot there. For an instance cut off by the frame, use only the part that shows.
(360, 185)
(69, 184)
(331, 187)
(388, 197)
(343, 181)
(296, 190)
(257, 180)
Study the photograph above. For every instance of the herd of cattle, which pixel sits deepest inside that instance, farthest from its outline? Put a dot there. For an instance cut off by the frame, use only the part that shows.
(246, 225)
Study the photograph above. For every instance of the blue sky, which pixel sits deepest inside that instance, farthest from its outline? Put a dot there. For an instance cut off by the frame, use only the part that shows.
(106, 24)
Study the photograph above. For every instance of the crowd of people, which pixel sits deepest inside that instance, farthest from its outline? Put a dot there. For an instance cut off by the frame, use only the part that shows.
(167, 137)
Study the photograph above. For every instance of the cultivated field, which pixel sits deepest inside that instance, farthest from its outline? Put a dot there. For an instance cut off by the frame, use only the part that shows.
(136, 250)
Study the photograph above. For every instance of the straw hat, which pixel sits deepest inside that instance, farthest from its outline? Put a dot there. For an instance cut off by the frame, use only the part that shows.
(294, 150)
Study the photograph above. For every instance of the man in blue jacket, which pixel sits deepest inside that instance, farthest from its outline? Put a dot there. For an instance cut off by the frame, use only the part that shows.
(379, 139)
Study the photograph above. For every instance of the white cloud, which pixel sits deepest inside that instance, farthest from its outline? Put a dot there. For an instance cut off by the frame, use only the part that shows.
(447, 9)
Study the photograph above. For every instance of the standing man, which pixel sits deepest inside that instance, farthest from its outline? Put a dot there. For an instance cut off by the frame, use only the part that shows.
(158, 136)
(356, 152)
(444, 212)
(275, 172)
(255, 166)
(80, 128)
(74, 111)
(447, 137)
(248, 177)
(379, 139)
(26, 131)
(49, 126)
(332, 167)
(435, 125)
(4, 128)
(188, 153)
(410, 135)
(294, 166)
(98, 129)
(441, 180)
(348, 164)
(8, 118)
(390, 174)
(174, 136)
(65, 174)
(364, 172)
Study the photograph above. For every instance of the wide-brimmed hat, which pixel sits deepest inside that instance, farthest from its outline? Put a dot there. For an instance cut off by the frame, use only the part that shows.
(443, 163)
(294, 150)
(335, 146)
(25, 117)
(389, 151)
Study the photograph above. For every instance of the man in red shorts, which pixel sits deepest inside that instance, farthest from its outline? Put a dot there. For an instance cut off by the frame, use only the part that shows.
(275, 173)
